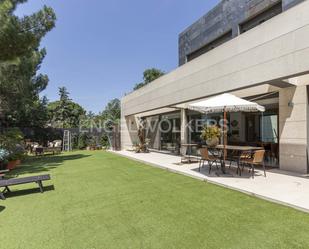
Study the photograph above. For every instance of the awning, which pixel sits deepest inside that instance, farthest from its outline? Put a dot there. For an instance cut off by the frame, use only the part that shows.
(225, 102)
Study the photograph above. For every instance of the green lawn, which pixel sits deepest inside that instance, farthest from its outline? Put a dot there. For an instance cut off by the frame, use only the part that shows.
(101, 200)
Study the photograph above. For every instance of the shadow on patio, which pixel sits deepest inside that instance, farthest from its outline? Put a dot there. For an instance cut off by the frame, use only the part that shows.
(230, 171)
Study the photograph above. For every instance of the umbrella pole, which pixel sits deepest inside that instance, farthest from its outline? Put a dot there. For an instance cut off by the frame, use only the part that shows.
(224, 140)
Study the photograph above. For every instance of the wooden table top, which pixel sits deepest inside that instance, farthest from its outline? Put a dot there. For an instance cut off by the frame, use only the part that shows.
(239, 147)
(189, 144)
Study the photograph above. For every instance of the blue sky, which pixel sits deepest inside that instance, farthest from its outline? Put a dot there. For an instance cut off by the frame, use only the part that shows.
(99, 48)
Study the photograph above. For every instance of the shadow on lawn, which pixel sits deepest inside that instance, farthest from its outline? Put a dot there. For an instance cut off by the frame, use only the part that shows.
(43, 164)
(2, 208)
(23, 192)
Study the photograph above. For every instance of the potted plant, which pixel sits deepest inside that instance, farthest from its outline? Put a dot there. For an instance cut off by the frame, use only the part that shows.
(211, 135)
(13, 162)
(15, 157)
(142, 146)
(11, 140)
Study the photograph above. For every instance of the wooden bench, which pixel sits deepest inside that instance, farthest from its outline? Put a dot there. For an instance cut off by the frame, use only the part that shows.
(6, 183)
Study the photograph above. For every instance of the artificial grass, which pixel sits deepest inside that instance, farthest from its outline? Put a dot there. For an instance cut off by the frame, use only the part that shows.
(101, 200)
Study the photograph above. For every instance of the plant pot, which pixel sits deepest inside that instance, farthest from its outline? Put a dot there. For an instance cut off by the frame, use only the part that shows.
(212, 142)
(12, 164)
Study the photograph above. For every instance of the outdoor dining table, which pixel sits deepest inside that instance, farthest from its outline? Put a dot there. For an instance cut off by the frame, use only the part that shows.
(239, 149)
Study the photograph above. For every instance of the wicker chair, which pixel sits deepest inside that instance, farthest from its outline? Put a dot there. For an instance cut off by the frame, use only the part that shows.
(237, 157)
(257, 159)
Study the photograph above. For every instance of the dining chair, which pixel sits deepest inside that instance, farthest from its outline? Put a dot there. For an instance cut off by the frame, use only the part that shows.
(257, 159)
(210, 159)
(237, 157)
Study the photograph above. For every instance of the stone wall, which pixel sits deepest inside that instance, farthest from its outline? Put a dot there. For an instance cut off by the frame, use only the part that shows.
(226, 16)
(293, 127)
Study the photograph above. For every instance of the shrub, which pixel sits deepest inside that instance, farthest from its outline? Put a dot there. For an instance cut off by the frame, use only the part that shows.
(11, 140)
(82, 141)
(105, 141)
(3, 155)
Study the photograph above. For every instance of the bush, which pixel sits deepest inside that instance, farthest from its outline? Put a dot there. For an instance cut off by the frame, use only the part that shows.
(82, 141)
(3, 154)
(11, 141)
(105, 141)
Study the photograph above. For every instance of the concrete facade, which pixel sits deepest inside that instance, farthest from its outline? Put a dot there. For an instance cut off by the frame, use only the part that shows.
(268, 53)
(225, 17)
(272, 57)
(293, 126)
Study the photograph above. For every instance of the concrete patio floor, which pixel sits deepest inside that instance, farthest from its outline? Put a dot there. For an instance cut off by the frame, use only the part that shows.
(278, 186)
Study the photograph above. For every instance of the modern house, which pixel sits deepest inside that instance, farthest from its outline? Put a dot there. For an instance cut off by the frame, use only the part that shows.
(255, 49)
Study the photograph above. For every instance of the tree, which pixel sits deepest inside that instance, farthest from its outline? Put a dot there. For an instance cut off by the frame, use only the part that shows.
(64, 113)
(19, 91)
(64, 94)
(111, 114)
(149, 75)
(20, 36)
(112, 110)
(20, 59)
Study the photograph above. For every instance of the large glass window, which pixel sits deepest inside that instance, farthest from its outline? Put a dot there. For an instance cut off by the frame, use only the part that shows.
(163, 132)
(170, 132)
(153, 132)
(269, 128)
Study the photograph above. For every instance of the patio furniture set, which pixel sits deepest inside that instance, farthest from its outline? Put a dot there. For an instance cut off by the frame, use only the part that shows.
(243, 156)
(54, 147)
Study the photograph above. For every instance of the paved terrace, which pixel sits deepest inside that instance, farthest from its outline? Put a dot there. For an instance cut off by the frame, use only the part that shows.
(279, 186)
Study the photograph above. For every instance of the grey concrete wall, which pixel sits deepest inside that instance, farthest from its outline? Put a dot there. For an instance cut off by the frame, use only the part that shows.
(293, 127)
(129, 128)
(226, 16)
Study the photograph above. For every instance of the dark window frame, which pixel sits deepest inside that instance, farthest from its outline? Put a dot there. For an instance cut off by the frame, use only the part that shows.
(261, 17)
(227, 36)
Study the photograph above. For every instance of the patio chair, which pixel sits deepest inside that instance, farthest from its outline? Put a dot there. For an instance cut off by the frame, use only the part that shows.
(257, 159)
(237, 157)
(210, 159)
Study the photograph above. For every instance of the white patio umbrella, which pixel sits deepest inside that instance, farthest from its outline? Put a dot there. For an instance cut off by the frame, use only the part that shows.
(225, 103)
